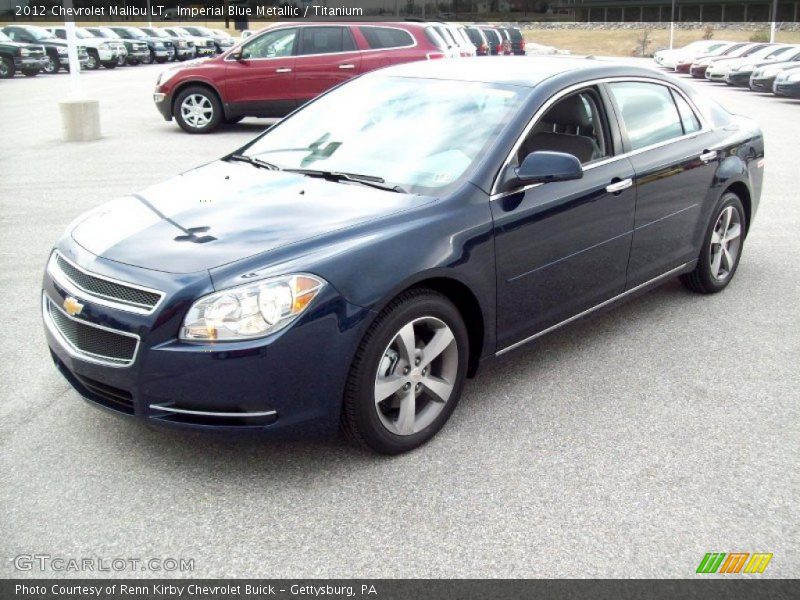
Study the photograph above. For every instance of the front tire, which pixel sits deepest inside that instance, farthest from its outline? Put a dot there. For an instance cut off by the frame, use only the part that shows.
(93, 63)
(52, 65)
(197, 110)
(407, 375)
(722, 248)
(6, 68)
(112, 64)
(151, 58)
(30, 72)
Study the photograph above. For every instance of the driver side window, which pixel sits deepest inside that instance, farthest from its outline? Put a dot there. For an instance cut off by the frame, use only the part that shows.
(575, 125)
(275, 44)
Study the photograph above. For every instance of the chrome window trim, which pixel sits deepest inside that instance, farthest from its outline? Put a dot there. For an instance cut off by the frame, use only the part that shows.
(202, 413)
(356, 51)
(74, 351)
(71, 286)
(588, 311)
(704, 127)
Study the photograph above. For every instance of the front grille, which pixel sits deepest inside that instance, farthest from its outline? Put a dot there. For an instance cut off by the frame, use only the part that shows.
(109, 396)
(104, 288)
(92, 342)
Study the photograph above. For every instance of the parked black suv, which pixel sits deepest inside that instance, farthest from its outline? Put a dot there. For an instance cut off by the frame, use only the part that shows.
(159, 49)
(517, 40)
(16, 56)
(55, 48)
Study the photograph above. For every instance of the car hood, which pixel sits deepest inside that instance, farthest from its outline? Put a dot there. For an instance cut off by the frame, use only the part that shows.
(224, 212)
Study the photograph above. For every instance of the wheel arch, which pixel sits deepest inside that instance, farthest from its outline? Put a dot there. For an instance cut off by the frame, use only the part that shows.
(195, 82)
(464, 299)
(743, 192)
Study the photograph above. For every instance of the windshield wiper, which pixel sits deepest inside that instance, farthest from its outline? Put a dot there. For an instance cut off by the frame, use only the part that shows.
(369, 180)
(256, 162)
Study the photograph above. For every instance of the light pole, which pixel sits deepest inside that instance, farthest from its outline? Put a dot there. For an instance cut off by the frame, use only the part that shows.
(672, 26)
(774, 18)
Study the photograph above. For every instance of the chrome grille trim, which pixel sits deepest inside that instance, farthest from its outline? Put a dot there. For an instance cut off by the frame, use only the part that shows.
(203, 413)
(110, 361)
(76, 289)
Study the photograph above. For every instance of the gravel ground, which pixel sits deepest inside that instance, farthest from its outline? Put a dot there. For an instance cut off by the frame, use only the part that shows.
(626, 446)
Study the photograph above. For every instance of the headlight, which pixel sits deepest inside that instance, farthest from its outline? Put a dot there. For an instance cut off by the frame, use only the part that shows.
(24, 52)
(165, 76)
(159, 44)
(251, 311)
(61, 50)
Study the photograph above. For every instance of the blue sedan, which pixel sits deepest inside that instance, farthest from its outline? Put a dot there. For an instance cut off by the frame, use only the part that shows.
(352, 266)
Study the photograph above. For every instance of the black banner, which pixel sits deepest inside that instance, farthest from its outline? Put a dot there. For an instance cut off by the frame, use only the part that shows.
(399, 589)
(624, 11)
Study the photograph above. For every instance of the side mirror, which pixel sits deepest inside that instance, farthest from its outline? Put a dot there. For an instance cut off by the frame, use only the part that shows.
(237, 55)
(545, 167)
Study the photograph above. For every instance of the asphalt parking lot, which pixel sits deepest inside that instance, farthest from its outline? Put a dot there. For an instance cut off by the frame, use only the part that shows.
(626, 446)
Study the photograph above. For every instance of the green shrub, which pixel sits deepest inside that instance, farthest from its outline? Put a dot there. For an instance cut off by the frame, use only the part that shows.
(760, 36)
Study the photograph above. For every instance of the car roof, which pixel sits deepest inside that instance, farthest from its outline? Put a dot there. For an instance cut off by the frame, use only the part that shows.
(523, 71)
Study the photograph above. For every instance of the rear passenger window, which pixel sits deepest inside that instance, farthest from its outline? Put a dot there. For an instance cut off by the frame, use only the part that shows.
(648, 111)
(326, 40)
(689, 120)
(386, 37)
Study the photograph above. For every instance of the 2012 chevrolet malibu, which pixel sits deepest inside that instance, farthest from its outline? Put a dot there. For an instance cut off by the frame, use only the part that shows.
(354, 264)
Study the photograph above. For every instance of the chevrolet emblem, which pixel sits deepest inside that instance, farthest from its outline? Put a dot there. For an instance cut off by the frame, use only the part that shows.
(72, 306)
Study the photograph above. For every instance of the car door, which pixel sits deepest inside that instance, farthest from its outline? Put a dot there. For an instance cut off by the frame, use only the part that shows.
(674, 159)
(562, 247)
(261, 82)
(327, 56)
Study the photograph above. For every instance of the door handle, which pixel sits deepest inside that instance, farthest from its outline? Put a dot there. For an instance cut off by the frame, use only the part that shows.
(708, 155)
(347, 66)
(283, 70)
(618, 186)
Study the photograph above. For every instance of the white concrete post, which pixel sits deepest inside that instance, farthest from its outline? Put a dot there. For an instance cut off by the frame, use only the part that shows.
(80, 117)
(672, 26)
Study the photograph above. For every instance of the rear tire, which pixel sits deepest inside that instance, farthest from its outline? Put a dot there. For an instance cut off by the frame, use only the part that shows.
(197, 110)
(7, 68)
(722, 248)
(407, 374)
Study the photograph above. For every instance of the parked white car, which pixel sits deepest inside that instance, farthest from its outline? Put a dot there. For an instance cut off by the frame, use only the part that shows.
(204, 46)
(670, 58)
(101, 51)
(718, 70)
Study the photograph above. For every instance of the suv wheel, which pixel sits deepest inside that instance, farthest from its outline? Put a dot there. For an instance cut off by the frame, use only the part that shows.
(93, 62)
(52, 65)
(111, 64)
(6, 68)
(407, 375)
(30, 72)
(151, 58)
(121, 60)
(197, 110)
(722, 248)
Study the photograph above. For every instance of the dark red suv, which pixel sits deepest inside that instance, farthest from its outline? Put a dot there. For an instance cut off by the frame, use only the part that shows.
(275, 71)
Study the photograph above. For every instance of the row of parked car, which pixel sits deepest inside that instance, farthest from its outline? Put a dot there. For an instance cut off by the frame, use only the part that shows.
(761, 66)
(31, 49)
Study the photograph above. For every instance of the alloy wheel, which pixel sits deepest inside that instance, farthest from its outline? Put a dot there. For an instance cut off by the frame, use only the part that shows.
(197, 110)
(726, 243)
(51, 66)
(416, 376)
(92, 63)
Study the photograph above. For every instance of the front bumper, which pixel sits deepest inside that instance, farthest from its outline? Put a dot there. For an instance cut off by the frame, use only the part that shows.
(761, 84)
(790, 90)
(30, 62)
(738, 78)
(165, 53)
(139, 55)
(683, 67)
(698, 71)
(184, 52)
(291, 381)
(107, 55)
(64, 60)
(716, 75)
(163, 103)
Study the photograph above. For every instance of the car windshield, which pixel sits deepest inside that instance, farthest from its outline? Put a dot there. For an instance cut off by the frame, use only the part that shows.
(155, 32)
(201, 31)
(180, 32)
(420, 134)
(83, 34)
(136, 33)
(781, 52)
(107, 33)
(41, 34)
